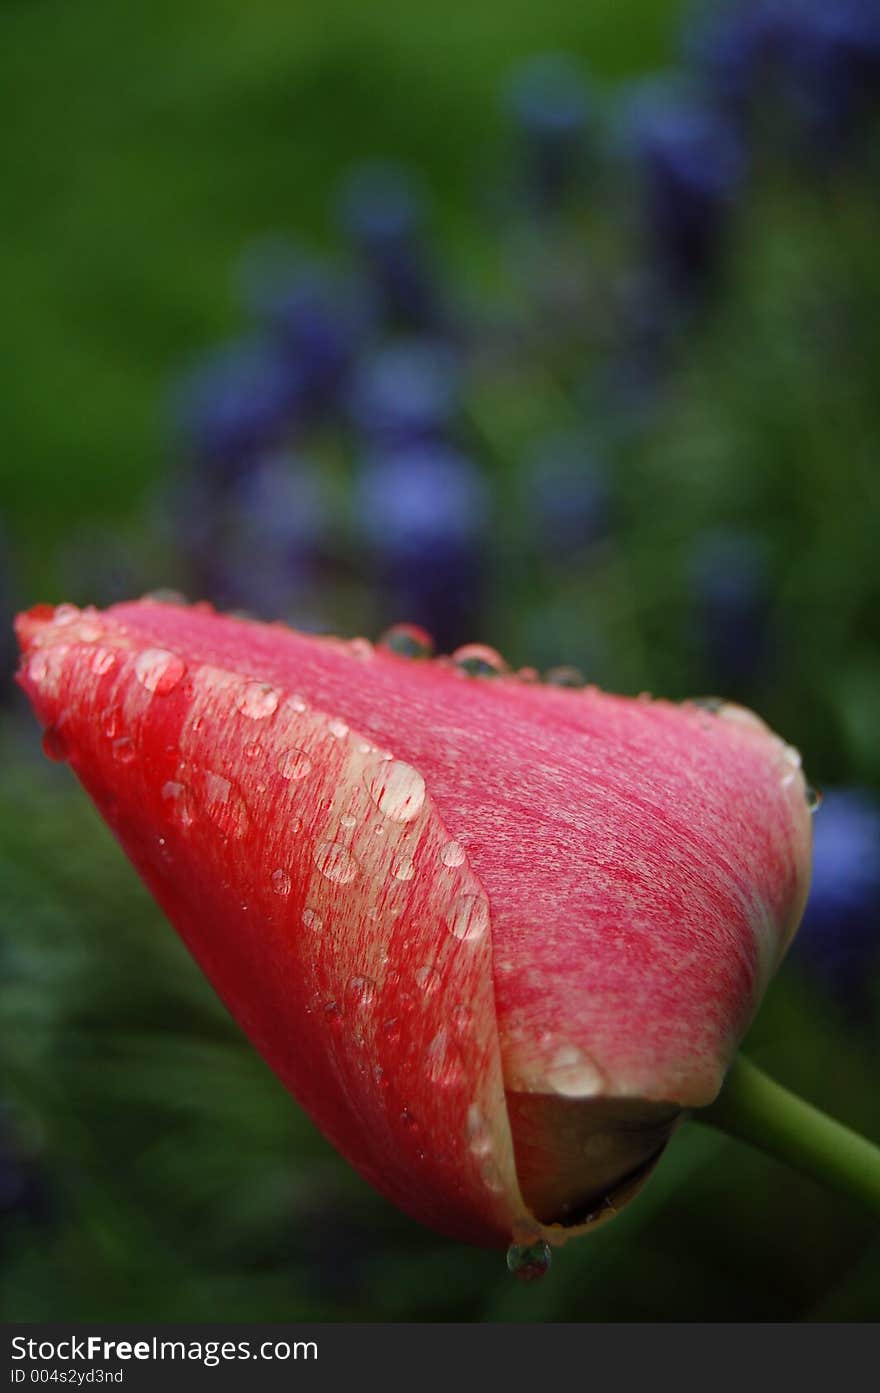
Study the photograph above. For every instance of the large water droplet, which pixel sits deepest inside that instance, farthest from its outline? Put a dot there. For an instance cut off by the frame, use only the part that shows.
(565, 677)
(529, 1264)
(572, 1074)
(407, 641)
(478, 660)
(294, 764)
(452, 854)
(396, 788)
(281, 881)
(224, 804)
(469, 917)
(258, 701)
(335, 862)
(158, 670)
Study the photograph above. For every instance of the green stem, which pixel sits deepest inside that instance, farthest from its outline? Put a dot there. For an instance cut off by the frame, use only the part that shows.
(754, 1108)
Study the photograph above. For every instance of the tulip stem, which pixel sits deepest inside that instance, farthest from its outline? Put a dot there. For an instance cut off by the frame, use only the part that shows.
(760, 1111)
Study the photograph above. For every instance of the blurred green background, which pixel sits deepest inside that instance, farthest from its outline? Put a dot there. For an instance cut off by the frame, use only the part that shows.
(729, 414)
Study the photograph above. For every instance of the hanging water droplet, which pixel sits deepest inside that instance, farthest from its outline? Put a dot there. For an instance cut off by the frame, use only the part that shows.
(814, 798)
(478, 660)
(407, 641)
(258, 701)
(281, 882)
(529, 1264)
(312, 920)
(396, 788)
(572, 1075)
(294, 764)
(469, 917)
(55, 745)
(158, 670)
(565, 676)
(335, 862)
(452, 854)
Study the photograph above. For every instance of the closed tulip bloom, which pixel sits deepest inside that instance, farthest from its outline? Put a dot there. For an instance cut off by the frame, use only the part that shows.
(495, 937)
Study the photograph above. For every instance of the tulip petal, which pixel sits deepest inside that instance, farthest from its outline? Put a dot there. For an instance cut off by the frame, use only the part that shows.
(442, 906)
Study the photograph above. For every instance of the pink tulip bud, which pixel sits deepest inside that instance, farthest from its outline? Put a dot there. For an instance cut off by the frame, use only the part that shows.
(496, 937)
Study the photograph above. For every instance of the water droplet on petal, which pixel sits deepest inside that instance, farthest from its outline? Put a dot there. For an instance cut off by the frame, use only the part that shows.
(403, 868)
(572, 1074)
(297, 703)
(478, 660)
(338, 729)
(361, 648)
(66, 614)
(396, 788)
(335, 862)
(814, 798)
(712, 704)
(124, 750)
(427, 978)
(294, 764)
(224, 804)
(158, 670)
(443, 1061)
(478, 1134)
(178, 802)
(103, 661)
(361, 992)
(565, 677)
(348, 821)
(312, 920)
(529, 1264)
(452, 854)
(258, 700)
(281, 882)
(407, 641)
(469, 917)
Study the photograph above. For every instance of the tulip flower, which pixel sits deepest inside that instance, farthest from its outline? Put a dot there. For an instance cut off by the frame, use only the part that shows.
(497, 937)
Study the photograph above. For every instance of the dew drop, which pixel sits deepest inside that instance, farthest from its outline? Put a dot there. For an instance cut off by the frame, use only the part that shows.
(443, 1061)
(258, 701)
(294, 764)
(565, 677)
(713, 704)
(103, 661)
(361, 648)
(281, 882)
(528, 674)
(403, 868)
(396, 788)
(452, 854)
(124, 750)
(361, 992)
(158, 670)
(814, 798)
(335, 862)
(348, 821)
(252, 751)
(469, 917)
(338, 729)
(297, 703)
(312, 920)
(407, 641)
(224, 804)
(427, 978)
(529, 1264)
(572, 1075)
(55, 745)
(178, 802)
(66, 614)
(478, 1134)
(478, 660)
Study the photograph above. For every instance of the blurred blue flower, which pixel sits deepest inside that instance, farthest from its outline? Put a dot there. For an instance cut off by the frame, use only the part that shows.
(729, 573)
(424, 514)
(839, 939)
(566, 505)
(691, 167)
(237, 404)
(383, 213)
(405, 393)
(313, 318)
(549, 102)
(812, 66)
(262, 545)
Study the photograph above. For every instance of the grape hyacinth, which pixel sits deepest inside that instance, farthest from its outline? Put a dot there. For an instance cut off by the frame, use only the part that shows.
(549, 103)
(383, 215)
(729, 574)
